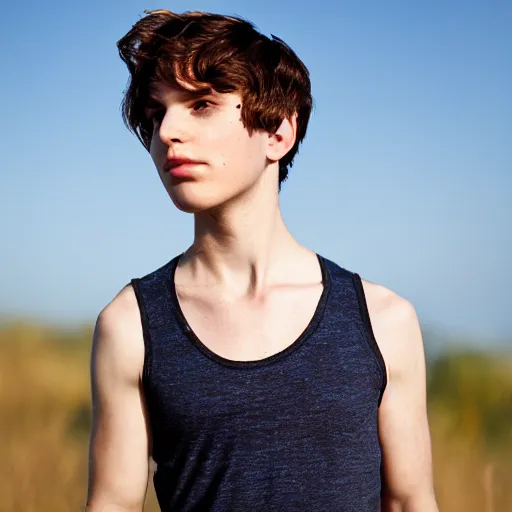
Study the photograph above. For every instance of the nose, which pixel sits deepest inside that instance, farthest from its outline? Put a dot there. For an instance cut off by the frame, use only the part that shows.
(173, 127)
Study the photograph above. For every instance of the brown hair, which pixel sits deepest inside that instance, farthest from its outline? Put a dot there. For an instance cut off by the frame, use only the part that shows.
(209, 51)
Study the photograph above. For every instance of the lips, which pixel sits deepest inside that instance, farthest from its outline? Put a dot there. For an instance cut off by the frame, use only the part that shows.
(181, 167)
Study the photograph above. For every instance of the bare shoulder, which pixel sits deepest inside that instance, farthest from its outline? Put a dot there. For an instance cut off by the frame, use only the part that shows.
(120, 436)
(387, 307)
(121, 310)
(118, 336)
(395, 326)
(403, 424)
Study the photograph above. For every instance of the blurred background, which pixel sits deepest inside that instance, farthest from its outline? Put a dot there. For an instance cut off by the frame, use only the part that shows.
(404, 177)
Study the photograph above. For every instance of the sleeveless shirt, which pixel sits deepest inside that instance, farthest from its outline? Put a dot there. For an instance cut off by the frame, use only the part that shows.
(296, 431)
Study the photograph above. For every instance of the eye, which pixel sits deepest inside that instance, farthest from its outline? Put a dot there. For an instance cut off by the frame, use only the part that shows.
(201, 105)
(154, 115)
(158, 115)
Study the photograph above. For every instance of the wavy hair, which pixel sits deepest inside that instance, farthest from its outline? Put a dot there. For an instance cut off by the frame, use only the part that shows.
(227, 54)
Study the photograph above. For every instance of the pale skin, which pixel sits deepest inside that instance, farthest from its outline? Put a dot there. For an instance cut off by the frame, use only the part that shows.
(242, 268)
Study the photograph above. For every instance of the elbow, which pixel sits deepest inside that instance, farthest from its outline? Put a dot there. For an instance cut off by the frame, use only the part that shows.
(417, 501)
(101, 506)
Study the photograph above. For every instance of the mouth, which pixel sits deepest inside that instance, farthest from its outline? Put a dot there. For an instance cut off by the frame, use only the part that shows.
(181, 168)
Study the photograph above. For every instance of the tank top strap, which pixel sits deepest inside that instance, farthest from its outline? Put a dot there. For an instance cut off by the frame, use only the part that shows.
(153, 296)
(348, 293)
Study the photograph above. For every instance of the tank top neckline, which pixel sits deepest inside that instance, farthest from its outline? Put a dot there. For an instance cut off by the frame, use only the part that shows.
(255, 363)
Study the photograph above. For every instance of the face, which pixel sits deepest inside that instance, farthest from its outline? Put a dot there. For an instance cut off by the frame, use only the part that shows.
(207, 130)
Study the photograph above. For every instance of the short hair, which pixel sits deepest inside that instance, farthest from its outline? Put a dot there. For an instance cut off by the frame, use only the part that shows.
(209, 51)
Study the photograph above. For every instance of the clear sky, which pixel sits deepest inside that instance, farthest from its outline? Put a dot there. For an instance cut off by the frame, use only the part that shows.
(405, 175)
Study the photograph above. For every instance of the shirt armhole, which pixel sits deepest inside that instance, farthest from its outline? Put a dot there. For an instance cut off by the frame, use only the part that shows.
(146, 370)
(369, 334)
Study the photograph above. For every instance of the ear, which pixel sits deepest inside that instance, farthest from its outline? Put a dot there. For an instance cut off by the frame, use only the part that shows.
(282, 141)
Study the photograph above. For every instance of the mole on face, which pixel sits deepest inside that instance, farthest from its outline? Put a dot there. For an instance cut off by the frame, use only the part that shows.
(239, 106)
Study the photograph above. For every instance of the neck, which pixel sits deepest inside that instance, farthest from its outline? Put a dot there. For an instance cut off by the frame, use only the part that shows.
(242, 246)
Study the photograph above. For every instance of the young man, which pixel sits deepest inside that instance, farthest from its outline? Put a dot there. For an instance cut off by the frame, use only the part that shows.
(258, 375)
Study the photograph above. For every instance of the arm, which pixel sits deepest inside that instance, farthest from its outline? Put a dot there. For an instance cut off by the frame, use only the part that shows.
(119, 446)
(403, 424)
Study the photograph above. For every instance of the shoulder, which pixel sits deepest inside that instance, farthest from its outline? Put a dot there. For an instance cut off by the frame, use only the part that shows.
(121, 313)
(387, 307)
(395, 326)
(118, 338)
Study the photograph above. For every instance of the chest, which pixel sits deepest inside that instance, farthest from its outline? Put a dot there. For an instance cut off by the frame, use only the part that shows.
(328, 387)
(245, 330)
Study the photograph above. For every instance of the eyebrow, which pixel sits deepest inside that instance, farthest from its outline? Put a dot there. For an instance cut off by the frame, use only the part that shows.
(184, 95)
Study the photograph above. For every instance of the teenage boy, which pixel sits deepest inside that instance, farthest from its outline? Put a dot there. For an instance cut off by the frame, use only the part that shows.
(257, 375)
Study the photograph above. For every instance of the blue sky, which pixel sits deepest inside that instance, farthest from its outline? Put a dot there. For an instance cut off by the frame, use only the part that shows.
(405, 174)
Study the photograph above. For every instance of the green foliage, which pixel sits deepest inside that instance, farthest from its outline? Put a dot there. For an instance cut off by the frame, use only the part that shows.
(474, 390)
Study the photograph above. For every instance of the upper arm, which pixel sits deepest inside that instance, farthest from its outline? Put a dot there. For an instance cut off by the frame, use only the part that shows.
(119, 446)
(403, 423)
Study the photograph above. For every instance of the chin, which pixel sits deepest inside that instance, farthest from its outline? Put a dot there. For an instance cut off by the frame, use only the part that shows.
(187, 198)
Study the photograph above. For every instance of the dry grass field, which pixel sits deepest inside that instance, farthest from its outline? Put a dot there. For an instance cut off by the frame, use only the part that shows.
(44, 425)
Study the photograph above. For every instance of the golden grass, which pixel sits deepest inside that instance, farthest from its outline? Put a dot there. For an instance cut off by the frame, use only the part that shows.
(44, 425)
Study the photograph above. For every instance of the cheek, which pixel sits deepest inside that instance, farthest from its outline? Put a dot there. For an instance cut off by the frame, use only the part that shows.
(235, 147)
(221, 146)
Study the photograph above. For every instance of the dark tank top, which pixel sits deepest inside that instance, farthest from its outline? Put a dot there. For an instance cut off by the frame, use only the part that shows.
(296, 431)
